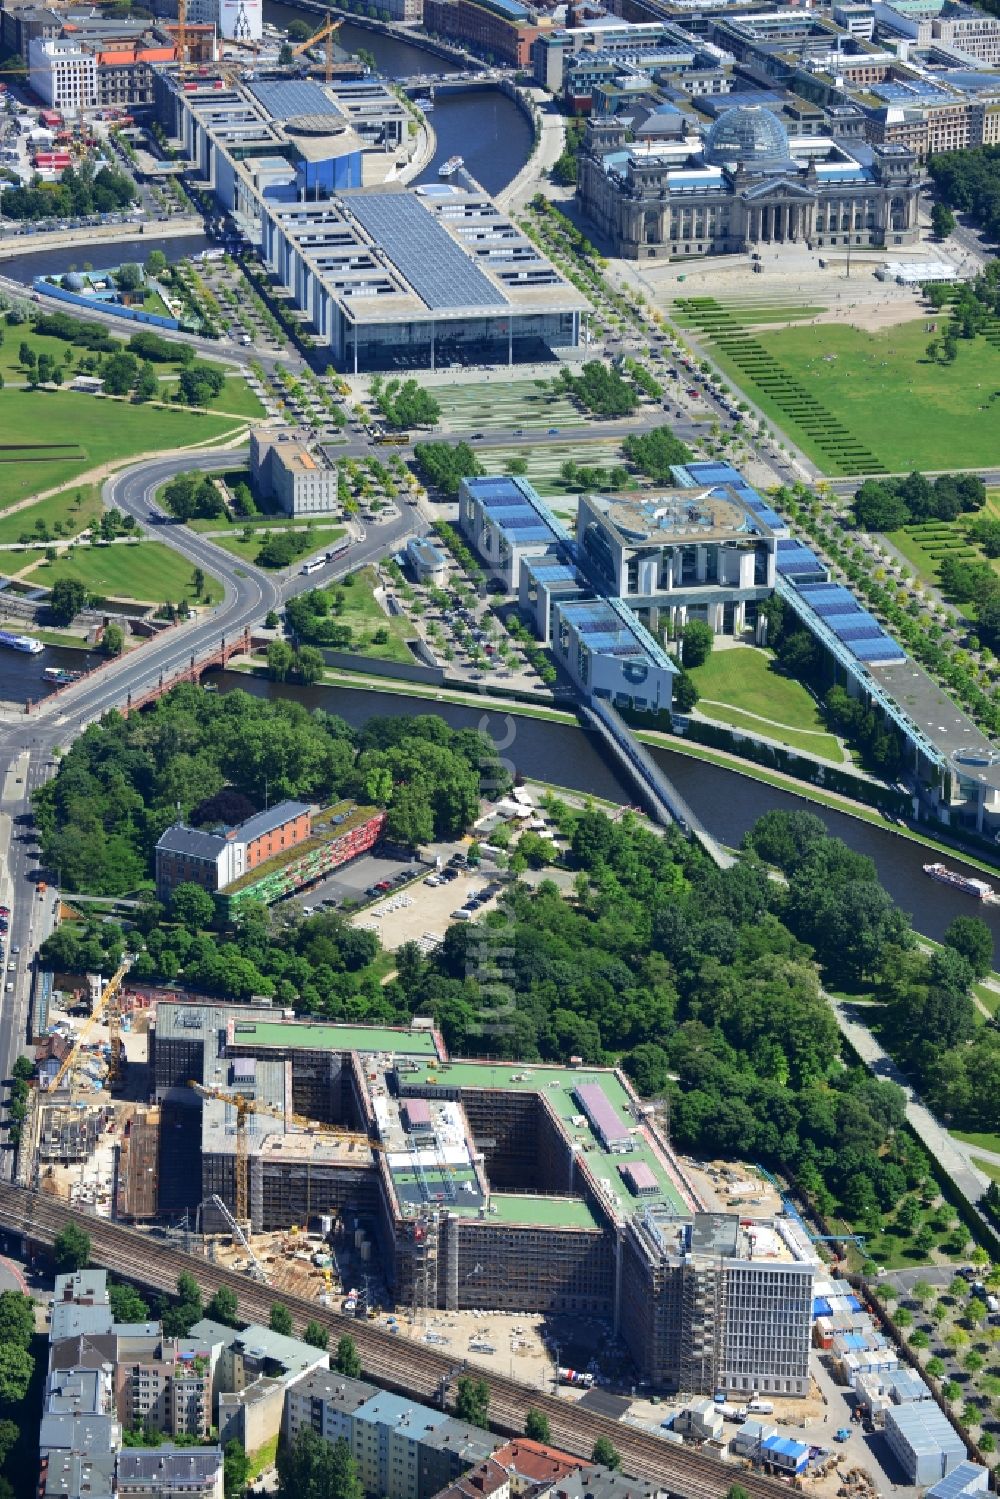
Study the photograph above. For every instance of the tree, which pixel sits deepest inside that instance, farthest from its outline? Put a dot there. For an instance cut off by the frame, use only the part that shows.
(737, 1491)
(605, 1454)
(311, 1468)
(536, 1426)
(316, 1336)
(223, 1307)
(128, 277)
(156, 263)
(180, 1315)
(198, 582)
(280, 1320)
(17, 1318)
(71, 1250)
(127, 1304)
(472, 1401)
(942, 221)
(113, 639)
(280, 660)
(685, 694)
(698, 638)
(9, 1433)
(935, 1367)
(23, 1069)
(146, 384)
(235, 1469)
(309, 664)
(971, 937)
(347, 1360)
(285, 55)
(16, 1368)
(192, 905)
(66, 598)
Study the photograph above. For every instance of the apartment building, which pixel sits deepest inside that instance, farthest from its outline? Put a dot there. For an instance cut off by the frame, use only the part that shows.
(105, 1377)
(404, 1450)
(63, 73)
(252, 1370)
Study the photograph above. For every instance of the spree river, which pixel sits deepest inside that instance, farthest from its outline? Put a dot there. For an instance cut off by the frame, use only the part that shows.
(726, 802)
(485, 128)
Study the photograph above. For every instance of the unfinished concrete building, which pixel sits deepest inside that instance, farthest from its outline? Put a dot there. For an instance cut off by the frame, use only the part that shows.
(518, 1187)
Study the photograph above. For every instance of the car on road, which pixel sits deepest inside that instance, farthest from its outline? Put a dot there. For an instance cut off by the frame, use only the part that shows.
(553, 432)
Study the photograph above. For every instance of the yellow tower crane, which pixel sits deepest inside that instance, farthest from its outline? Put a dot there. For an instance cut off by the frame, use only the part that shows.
(326, 33)
(107, 1002)
(245, 1106)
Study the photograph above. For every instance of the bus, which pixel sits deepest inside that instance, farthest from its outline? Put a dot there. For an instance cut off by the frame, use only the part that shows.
(397, 439)
(338, 550)
(314, 565)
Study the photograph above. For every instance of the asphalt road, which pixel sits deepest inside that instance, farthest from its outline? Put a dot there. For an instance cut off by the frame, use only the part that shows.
(27, 745)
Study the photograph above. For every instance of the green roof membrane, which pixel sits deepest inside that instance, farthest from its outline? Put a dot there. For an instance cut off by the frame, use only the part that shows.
(557, 1085)
(363, 1038)
(549, 1212)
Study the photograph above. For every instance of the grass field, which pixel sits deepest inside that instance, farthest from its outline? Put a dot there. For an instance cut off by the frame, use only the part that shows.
(984, 1142)
(363, 614)
(925, 546)
(247, 550)
(988, 997)
(57, 508)
(14, 336)
(910, 413)
(740, 687)
(235, 396)
(103, 431)
(988, 1168)
(756, 311)
(146, 570)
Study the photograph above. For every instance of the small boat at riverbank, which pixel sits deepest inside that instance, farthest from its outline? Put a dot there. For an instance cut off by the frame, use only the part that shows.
(60, 676)
(20, 643)
(451, 166)
(979, 889)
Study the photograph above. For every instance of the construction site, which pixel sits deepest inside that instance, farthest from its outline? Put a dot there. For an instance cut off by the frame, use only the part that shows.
(364, 1164)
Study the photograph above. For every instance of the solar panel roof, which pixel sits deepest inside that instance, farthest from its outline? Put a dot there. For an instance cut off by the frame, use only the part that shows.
(285, 99)
(440, 273)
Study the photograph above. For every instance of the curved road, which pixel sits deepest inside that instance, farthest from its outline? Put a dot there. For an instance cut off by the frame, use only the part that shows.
(28, 745)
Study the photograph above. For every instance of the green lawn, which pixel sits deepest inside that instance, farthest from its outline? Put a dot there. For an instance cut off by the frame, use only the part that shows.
(910, 413)
(985, 1142)
(247, 550)
(15, 335)
(57, 508)
(988, 1168)
(101, 431)
(988, 997)
(740, 687)
(235, 396)
(363, 614)
(146, 570)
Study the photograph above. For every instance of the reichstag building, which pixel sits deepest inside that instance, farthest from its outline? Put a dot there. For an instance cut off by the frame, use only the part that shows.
(745, 185)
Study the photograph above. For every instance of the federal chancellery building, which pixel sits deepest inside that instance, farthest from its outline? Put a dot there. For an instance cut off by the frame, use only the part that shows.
(745, 184)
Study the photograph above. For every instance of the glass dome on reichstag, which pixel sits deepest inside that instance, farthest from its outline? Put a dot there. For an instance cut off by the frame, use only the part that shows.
(748, 134)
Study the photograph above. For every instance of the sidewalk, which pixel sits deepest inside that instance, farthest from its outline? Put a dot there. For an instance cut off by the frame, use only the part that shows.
(952, 1155)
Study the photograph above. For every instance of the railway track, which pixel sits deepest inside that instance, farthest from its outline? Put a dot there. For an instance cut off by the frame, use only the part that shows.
(388, 1360)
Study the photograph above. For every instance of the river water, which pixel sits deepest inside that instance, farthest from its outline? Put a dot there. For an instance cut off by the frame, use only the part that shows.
(726, 802)
(98, 253)
(485, 128)
(21, 679)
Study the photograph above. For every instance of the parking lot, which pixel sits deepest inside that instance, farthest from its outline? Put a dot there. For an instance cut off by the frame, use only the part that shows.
(350, 884)
(423, 912)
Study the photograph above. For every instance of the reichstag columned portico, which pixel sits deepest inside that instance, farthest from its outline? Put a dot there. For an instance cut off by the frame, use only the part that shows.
(746, 184)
